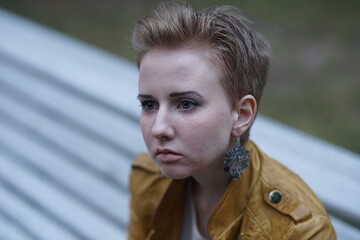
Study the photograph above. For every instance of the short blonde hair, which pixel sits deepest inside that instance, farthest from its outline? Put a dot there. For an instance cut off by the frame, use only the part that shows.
(242, 53)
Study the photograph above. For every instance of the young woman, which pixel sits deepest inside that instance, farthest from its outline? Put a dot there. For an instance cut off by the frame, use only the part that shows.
(201, 79)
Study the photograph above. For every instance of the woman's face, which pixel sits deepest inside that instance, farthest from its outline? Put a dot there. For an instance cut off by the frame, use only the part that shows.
(186, 117)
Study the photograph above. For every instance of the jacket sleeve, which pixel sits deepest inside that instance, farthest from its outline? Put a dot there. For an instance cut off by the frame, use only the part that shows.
(316, 229)
(146, 188)
(139, 222)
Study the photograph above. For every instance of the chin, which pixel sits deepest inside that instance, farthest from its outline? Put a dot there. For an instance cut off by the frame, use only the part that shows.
(170, 173)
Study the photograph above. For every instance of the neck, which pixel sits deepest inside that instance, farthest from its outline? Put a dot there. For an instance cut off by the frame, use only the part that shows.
(208, 187)
(211, 182)
(211, 187)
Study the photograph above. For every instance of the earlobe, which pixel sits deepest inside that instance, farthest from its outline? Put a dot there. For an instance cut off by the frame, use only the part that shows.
(245, 111)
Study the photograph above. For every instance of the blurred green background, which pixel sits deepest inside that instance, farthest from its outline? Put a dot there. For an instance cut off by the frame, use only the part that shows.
(314, 81)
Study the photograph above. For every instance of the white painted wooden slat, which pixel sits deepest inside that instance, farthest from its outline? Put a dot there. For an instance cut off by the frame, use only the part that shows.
(33, 220)
(59, 204)
(85, 67)
(112, 126)
(69, 178)
(111, 163)
(10, 232)
(345, 231)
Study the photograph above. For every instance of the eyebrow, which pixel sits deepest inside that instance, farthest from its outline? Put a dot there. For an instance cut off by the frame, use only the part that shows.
(146, 96)
(178, 94)
(174, 94)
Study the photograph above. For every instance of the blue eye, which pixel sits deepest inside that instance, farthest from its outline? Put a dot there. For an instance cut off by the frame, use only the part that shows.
(187, 104)
(149, 106)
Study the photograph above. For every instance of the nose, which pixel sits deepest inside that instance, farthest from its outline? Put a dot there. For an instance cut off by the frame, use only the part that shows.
(163, 127)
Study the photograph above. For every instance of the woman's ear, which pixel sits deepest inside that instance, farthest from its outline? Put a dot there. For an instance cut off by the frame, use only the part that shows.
(245, 112)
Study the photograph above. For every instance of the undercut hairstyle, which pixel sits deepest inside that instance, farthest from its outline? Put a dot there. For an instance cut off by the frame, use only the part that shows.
(225, 36)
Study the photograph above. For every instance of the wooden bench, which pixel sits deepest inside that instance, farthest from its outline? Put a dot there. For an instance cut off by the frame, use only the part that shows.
(69, 129)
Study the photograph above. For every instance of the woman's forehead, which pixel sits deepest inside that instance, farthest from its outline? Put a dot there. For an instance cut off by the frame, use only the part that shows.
(164, 71)
(176, 64)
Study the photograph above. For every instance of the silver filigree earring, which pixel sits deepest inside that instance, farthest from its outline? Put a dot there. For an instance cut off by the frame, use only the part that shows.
(236, 160)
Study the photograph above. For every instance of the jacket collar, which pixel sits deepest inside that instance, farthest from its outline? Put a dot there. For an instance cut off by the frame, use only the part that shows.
(232, 204)
(168, 216)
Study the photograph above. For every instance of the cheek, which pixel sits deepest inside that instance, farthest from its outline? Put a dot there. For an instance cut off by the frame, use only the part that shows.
(210, 132)
(145, 125)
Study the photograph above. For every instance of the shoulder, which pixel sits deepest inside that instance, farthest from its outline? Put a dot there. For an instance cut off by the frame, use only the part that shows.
(286, 192)
(282, 200)
(145, 176)
(144, 162)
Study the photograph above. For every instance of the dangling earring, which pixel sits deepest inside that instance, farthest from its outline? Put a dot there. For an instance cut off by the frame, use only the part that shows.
(236, 160)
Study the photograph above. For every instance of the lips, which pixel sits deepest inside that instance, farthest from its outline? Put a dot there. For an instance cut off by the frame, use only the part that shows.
(167, 155)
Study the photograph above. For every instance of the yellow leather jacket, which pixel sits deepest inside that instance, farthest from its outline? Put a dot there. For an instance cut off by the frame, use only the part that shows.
(268, 202)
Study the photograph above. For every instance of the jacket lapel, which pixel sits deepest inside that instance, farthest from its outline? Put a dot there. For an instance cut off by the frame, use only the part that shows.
(167, 220)
(227, 217)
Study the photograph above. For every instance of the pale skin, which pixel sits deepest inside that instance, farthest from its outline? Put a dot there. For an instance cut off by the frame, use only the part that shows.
(188, 122)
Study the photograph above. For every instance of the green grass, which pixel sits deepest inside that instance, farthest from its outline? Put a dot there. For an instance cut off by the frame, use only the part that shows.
(314, 81)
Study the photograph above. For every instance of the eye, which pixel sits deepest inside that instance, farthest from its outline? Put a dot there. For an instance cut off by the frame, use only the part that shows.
(187, 104)
(149, 106)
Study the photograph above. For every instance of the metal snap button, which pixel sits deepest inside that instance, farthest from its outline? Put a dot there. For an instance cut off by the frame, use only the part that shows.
(275, 196)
